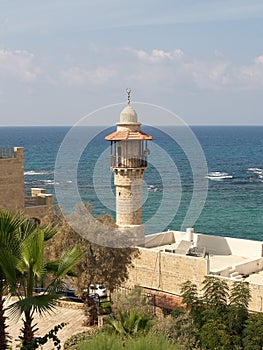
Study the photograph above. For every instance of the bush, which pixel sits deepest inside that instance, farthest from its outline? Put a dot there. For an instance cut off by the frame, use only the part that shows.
(103, 341)
(151, 342)
(165, 326)
(114, 342)
(134, 299)
(73, 343)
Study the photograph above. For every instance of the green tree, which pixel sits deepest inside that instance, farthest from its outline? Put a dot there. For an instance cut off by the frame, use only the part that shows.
(194, 304)
(253, 332)
(31, 267)
(215, 336)
(10, 225)
(101, 264)
(215, 293)
(237, 314)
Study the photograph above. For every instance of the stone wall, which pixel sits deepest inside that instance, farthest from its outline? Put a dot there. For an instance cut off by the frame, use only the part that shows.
(39, 205)
(166, 271)
(12, 180)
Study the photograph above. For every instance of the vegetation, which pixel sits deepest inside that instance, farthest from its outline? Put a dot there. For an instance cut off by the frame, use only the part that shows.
(22, 265)
(9, 253)
(100, 264)
(105, 341)
(131, 323)
(125, 300)
(220, 316)
(215, 318)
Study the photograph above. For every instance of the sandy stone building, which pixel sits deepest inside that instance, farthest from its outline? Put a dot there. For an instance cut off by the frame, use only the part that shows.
(170, 258)
(12, 194)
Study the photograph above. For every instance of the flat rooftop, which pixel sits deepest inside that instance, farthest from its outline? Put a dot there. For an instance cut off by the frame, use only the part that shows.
(233, 258)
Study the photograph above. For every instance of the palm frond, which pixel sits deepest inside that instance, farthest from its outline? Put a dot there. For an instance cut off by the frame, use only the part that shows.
(68, 260)
(32, 254)
(53, 266)
(49, 231)
(41, 304)
(10, 222)
(8, 263)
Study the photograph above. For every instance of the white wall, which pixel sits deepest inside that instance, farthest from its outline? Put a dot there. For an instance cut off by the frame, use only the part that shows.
(245, 247)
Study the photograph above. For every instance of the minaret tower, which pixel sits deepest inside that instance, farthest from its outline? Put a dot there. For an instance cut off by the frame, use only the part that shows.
(128, 163)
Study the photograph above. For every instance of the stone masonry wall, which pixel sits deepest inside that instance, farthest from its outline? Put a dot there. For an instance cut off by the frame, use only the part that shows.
(166, 271)
(12, 181)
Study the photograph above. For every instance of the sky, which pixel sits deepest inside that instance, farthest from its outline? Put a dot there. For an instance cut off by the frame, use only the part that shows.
(62, 59)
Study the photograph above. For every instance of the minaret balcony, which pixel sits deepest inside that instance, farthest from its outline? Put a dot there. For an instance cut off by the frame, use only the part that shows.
(133, 162)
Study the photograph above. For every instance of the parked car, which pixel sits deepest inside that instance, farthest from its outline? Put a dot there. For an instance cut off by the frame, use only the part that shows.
(69, 294)
(98, 291)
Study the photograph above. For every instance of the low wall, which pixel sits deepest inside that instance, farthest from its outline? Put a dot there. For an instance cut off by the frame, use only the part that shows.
(158, 239)
(41, 212)
(213, 244)
(250, 266)
(245, 247)
(166, 271)
(225, 246)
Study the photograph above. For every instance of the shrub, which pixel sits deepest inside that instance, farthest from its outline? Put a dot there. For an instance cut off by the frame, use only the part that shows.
(113, 342)
(103, 341)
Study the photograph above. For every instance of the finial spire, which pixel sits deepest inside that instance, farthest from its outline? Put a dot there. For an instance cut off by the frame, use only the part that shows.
(128, 90)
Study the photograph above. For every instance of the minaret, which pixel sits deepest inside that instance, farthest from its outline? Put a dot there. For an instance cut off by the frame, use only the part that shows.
(128, 163)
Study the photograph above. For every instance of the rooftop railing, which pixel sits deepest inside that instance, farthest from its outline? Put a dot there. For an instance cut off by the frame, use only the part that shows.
(7, 152)
(134, 162)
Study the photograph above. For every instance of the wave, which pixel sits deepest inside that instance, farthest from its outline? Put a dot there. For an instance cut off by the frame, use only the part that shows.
(153, 188)
(41, 182)
(41, 172)
(218, 176)
(50, 182)
(258, 171)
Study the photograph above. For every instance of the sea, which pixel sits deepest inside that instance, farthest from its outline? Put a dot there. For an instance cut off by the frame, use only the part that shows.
(218, 174)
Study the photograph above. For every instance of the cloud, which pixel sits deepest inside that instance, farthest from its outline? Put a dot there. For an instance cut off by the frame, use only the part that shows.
(176, 68)
(19, 65)
(77, 76)
(155, 56)
(259, 60)
(251, 76)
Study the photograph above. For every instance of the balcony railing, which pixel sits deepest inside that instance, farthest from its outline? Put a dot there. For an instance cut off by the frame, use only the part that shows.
(134, 162)
(7, 152)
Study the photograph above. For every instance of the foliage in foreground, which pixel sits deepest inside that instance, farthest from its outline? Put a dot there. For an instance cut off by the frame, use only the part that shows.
(105, 341)
(103, 264)
(219, 318)
(131, 323)
(134, 299)
(22, 265)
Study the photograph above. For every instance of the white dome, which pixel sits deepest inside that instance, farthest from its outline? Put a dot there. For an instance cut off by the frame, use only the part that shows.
(128, 115)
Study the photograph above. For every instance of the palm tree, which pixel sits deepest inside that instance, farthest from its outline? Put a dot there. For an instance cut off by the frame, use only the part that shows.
(131, 323)
(10, 225)
(32, 267)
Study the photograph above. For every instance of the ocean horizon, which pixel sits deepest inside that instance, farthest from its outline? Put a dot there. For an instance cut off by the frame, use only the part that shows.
(234, 203)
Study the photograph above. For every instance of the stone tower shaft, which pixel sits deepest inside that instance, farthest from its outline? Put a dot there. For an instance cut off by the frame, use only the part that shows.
(128, 162)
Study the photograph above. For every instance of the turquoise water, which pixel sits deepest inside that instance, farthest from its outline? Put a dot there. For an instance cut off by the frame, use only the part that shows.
(234, 204)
